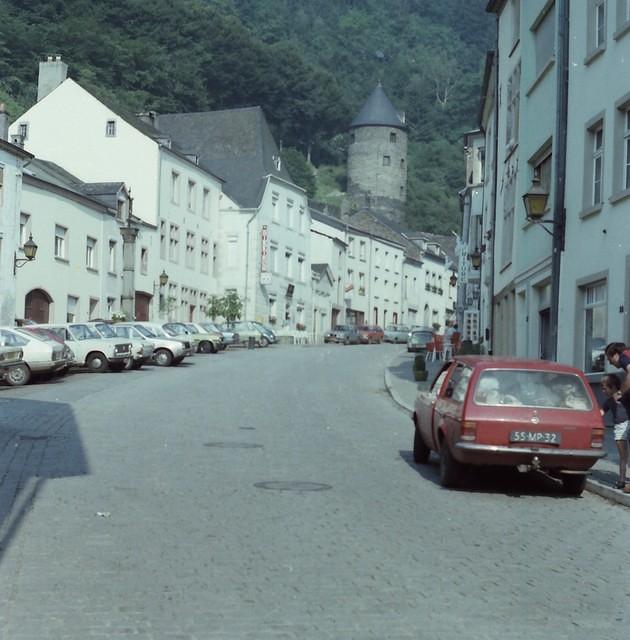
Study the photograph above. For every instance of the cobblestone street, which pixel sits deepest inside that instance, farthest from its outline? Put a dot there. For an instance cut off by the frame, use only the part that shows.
(272, 494)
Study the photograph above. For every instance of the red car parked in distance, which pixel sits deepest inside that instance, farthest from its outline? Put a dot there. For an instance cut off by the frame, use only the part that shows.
(371, 333)
(529, 414)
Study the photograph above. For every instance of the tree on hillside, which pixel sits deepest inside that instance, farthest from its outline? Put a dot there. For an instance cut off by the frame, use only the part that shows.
(300, 171)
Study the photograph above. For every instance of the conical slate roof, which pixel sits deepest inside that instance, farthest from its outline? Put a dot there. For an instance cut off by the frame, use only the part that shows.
(378, 111)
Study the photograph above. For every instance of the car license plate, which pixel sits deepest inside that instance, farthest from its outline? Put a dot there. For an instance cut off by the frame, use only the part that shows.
(536, 437)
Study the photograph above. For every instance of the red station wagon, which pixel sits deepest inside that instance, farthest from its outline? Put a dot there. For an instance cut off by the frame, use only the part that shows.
(530, 414)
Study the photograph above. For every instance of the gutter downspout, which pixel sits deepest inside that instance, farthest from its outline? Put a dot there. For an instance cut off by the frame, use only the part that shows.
(246, 306)
(495, 170)
(560, 158)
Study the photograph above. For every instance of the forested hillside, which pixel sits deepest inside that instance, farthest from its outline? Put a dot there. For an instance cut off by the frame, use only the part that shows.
(309, 63)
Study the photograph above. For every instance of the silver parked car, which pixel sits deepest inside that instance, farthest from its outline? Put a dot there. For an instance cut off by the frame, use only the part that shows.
(396, 333)
(167, 351)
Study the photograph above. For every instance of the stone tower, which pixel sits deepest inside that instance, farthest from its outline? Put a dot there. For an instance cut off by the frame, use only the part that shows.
(377, 158)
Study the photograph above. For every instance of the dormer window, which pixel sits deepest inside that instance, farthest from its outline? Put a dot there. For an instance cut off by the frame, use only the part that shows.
(110, 128)
(23, 130)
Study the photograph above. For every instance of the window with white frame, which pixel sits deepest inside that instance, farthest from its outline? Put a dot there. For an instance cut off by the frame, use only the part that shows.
(626, 149)
(174, 187)
(302, 268)
(595, 324)
(361, 284)
(387, 161)
(205, 255)
(205, 204)
(215, 259)
(23, 130)
(112, 256)
(173, 243)
(25, 227)
(275, 213)
(516, 21)
(542, 171)
(190, 249)
(90, 253)
(273, 257)
(596, 27)
(290, 214)
(111, 302)
(144, 261)
(232, 245)
(597, 138)
(163, 239)
(623, 15)
(61, 244)
(288, 260)
(513, 106)
(509, 204)
(93, 308)
(351, 247)
(110, 128)
(545, 38)
(362, 250)
(72, 309)
(1, 185)
(302, 220)
(191, 197)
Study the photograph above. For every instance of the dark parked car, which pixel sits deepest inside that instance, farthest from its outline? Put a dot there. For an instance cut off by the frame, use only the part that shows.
(418, 340)
(338, 333)
(371, 334)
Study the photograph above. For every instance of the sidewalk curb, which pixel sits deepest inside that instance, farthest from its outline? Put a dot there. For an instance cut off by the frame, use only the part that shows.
(593, 486)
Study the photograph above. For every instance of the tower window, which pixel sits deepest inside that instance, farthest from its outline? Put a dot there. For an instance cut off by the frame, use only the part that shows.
(402, 163)
(392, 137)
(387, 160)
(351, 138)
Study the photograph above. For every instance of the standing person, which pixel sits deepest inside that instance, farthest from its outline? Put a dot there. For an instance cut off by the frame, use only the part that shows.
(619, 356)
(611, 388)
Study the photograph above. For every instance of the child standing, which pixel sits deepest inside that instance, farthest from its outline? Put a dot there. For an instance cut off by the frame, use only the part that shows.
(612, 389)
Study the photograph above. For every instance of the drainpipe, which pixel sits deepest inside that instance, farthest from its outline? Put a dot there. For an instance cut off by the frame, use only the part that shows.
(495, 174)
(560, 157)
(246, 306)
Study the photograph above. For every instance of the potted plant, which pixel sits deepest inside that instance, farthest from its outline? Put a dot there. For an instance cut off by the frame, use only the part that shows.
(420, 372)
(300, 327)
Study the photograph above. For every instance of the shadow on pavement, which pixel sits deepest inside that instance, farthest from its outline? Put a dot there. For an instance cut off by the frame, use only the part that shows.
(491, 480)
(39, 441)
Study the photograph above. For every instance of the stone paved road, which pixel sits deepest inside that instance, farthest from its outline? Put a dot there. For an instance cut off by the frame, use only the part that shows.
(211, 530)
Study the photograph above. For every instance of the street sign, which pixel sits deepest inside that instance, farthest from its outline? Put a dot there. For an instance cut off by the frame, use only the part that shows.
(265, 278)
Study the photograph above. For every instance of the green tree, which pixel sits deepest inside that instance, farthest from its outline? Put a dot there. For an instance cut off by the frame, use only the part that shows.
(232, 306)
(300, 170)
(215, 307)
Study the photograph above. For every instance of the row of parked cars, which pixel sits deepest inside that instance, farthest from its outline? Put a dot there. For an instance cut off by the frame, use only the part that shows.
(53, 349)
(415, 337)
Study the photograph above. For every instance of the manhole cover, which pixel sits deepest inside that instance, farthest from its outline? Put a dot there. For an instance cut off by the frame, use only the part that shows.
(233, 445)
(280, 485)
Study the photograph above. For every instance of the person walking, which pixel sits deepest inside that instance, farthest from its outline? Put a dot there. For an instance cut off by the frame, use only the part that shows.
(611, 388)
(618, 356)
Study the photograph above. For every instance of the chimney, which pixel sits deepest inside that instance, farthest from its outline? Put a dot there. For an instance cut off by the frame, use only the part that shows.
(4, 123)
(52, 72)
(148, 117)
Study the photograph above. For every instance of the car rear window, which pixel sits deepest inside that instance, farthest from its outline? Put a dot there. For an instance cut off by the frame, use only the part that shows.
(528, 388)
(423, 336)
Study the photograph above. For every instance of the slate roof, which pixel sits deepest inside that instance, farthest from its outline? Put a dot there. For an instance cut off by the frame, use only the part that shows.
(378, 111)
(101, 193)
(236, 144)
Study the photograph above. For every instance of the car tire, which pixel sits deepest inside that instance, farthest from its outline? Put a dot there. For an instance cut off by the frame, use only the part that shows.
(163, 358)
(176, 361)
(264, 341)
(450, 469)
(573, 485)
(205, 347)
(346, 342)
(421, 452)
(18, 376)
(97, 363)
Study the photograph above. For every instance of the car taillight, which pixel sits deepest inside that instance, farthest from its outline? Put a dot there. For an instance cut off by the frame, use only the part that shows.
(469, 430)
(597, 438)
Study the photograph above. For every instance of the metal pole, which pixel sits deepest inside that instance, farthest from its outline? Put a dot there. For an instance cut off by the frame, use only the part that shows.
(560, 155)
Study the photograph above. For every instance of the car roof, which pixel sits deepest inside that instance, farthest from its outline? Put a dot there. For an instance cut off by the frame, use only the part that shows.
(494, 362)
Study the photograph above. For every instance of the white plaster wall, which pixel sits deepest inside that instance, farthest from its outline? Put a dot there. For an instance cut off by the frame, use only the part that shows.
(60, 278)
(68, 127)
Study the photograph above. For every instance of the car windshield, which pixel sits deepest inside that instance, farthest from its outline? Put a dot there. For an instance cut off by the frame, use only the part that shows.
(105, 330)
(147, 332)
(83, 332)
(529, 388)
(341, 327)
(175, 328)
(208, 326)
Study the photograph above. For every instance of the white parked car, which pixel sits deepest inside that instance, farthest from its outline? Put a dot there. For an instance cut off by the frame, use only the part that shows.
(10, 357)
(141, 348)
(158, 331)
(40, 355)
(90, 350)
(166, 351)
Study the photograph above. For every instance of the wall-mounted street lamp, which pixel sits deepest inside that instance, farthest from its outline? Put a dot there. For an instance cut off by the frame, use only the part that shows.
(475, 258)
(30, 251)
(535, 201)
(162, 281)
(453, 280)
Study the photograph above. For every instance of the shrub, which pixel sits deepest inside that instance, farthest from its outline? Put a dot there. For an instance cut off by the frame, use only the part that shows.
(420, 375)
